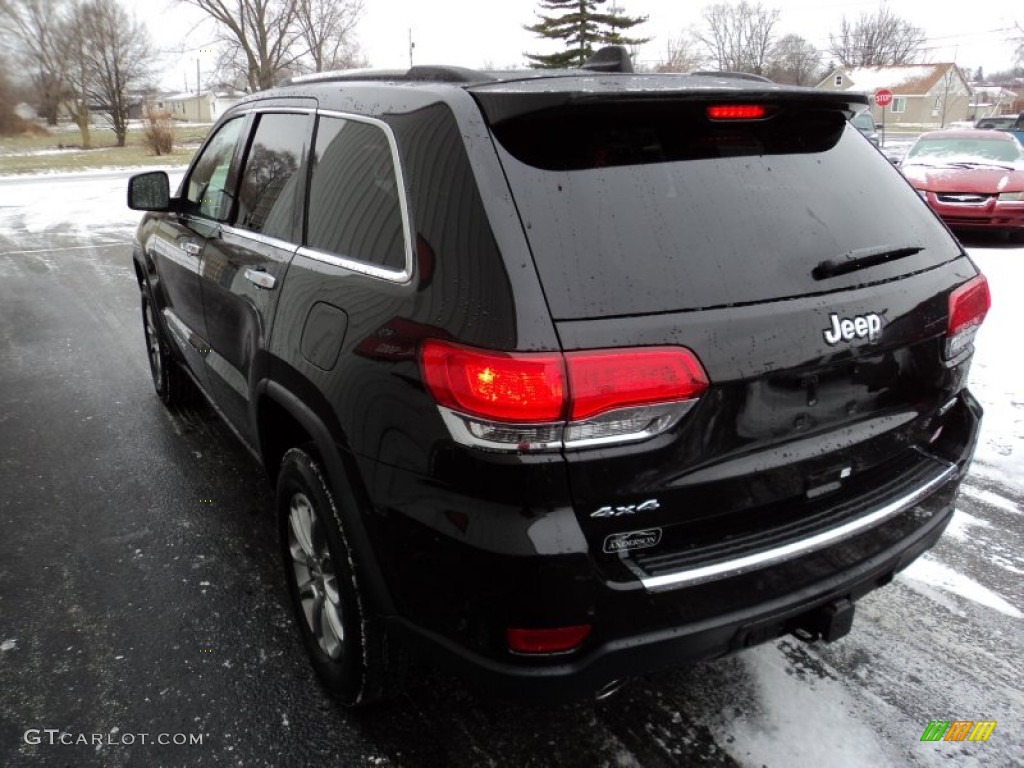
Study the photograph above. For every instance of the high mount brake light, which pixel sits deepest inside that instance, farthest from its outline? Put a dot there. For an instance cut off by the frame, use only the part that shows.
(545, 401)
(968, 306)
(737, 112)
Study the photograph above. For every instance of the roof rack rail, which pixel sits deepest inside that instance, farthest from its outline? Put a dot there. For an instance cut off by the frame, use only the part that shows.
(611, 58)
(436, 74)
(446, 74)
(735, 75)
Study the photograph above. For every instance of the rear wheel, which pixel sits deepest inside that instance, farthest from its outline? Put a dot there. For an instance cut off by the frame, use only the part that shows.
(346, 646)
(171, 383)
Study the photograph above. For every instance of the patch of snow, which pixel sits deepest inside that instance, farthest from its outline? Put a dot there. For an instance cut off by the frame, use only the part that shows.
(959, 527)
(997, 370)
(991, 498)
(75, 202)
(870, 79)
(930, 572)
(9, 645)
(785, 730)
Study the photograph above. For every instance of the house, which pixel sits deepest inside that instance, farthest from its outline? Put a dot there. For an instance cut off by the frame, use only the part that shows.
(202, 107)
(932, 95)
(992, 101)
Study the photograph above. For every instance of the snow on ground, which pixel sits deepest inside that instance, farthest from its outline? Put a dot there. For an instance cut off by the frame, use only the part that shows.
(997, 373)
(72, 203)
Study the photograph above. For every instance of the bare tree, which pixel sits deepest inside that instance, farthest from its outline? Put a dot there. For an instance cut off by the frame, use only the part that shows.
(118, 52)
(262, 35)
(876, 39)
(328, 31)
(739, 37)
(681, 55)
(33, 33)
(76, 96)
(795, 61)
(266, 40)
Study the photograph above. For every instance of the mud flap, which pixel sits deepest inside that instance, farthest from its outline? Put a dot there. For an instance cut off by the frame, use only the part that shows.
(829, 622)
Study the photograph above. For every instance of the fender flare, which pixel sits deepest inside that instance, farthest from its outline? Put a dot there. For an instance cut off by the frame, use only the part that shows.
(346, 487)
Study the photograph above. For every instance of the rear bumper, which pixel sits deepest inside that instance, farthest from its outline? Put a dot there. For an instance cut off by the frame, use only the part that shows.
(641, 628)
(651, 651)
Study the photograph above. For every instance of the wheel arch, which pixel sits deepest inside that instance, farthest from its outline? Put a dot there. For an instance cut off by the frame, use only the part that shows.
(284, 421)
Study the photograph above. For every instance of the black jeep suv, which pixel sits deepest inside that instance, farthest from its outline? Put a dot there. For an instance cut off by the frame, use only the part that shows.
(566, 376)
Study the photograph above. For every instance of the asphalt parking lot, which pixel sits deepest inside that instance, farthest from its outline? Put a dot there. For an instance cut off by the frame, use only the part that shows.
(141, 594)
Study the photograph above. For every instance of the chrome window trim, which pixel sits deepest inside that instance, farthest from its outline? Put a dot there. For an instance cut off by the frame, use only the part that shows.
(776, 555)
(357, 265)
(257, 237)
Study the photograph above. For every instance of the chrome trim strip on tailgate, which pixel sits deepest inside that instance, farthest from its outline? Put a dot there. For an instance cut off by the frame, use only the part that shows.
(769, 557)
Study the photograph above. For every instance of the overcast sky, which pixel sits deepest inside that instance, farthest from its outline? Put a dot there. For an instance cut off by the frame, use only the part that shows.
(475, 33)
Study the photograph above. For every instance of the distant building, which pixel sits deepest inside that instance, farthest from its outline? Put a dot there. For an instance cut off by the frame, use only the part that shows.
(923, 94)
(992, 101)
(203, 107)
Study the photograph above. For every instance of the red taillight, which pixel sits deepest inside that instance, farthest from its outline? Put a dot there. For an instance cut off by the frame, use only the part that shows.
(968, 306)
(545, 400)
(737, 112)
(554, 640)
(518, 388)
(619, 378)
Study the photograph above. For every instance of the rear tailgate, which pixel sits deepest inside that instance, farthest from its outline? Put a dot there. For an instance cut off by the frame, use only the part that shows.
(789, 256)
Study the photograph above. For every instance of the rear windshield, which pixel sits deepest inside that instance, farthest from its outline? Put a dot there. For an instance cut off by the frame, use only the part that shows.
(649, 207)
(864, 121)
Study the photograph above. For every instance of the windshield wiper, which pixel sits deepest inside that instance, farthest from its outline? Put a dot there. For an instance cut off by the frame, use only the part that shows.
(862, 258)
(980, 164)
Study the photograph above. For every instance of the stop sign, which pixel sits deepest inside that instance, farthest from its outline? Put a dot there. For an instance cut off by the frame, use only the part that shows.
(883, 97)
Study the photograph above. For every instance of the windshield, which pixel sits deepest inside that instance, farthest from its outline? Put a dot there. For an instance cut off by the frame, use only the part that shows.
(949, 150)
(864, 122)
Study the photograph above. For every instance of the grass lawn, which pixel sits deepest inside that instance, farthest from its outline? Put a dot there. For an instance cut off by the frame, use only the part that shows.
(59, 150)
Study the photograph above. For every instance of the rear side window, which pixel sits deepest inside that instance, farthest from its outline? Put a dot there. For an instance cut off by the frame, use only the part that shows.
(641, 207)
(355, 209)
(207, 190)
(271, 178)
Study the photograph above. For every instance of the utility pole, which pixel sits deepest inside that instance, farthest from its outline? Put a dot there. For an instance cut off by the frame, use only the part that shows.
(198, 110)
(411, 46)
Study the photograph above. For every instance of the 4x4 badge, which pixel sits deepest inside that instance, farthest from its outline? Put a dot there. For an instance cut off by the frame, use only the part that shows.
(647, 506)
(845, 329)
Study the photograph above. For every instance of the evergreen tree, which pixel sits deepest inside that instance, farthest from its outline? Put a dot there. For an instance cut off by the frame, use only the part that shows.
(583, 26)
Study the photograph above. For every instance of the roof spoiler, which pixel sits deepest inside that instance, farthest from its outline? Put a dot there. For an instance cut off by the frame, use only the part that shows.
(611, 58)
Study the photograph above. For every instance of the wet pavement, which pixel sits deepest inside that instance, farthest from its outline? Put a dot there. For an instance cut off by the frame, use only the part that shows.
(142, 601)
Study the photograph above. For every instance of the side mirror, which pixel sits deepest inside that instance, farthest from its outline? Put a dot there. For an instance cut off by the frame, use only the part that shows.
(149, 192)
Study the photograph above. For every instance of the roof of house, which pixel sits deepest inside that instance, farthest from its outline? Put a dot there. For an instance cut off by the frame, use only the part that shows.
(906, 80)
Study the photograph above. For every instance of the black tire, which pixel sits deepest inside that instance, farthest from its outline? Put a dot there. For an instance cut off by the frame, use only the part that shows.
(171, 383)
(346, 644)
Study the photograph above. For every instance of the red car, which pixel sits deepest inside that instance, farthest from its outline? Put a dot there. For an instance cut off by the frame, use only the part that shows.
(973, 179)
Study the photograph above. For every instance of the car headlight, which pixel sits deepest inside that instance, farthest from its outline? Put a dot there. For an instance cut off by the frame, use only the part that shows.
(1005, 197)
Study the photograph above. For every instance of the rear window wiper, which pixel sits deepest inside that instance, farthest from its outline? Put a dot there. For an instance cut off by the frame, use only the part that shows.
(862, 258)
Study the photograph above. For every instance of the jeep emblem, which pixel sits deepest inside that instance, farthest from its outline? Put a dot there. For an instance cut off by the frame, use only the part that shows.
(860, 327)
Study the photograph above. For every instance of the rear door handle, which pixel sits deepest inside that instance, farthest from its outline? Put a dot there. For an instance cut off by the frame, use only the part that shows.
(260, 278)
